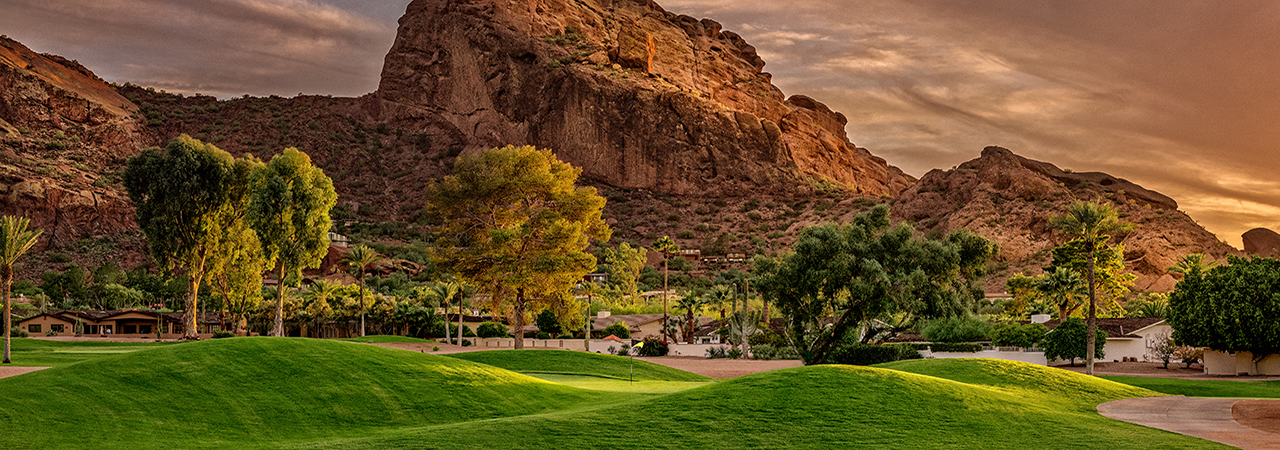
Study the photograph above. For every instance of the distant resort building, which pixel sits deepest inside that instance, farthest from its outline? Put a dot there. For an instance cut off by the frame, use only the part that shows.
(130, 323)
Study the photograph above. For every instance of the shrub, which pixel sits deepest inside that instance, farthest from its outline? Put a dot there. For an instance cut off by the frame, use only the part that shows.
(955, 347)
(14, 332)
(466, 331)
(957, 329)
(763, 351)
(1162, 349)
(223, 334)
(686, 234)
(51, 333)
(542, 335)
(59, 257)
(1017, 335)
(435, 348)
(617, 329)
(868, 354)
(547, 322)
(1189, 355)
(491, 330)
(734, 353)
(466, 342)
(565, 336)
(717, 353)
(624, 350)
(653, 346)
(1067, 341)
(766, 337)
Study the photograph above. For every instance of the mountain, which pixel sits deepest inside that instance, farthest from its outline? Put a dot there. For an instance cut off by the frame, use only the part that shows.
(1009, 199)
(1261, 242)
(638, 97)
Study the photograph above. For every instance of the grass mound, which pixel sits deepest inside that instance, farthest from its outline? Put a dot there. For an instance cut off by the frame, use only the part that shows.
(821, 407)
(29, 352)
(260, 392)
(578, 363)
(387, 339)
(1023, 378)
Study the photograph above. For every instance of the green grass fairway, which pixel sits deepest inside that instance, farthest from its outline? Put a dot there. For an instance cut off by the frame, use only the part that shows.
(1204, 388)
(42, 353)
(260, 392)
(308, 393)
(578, 363)
(385, 339)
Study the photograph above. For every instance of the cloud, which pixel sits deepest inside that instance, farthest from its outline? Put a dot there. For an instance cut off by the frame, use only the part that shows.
(218, 47)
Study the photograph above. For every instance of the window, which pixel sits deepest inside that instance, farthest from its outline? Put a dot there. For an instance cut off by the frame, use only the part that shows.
(33, 328)
(144, 329)
(57, 327)
(129, 329)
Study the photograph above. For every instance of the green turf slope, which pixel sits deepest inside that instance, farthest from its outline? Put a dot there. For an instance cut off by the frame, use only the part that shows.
(386, 339)
(826, 407)
(260, 392)
(578, 363)
(42, 353)
(1204, 388)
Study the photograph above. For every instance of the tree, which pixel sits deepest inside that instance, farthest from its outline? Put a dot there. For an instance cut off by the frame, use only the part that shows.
(626, 262)
(1068, 341)
(1229, 308)
(1162, 349)
(1111, 282)
(185, 196)
(15, 240)
(692, 304)
(235, 274)
(667, 247)
(318, 302)
(548, 323)
(359, 259)
(515, 224)
(1089, 222)
(289, 208)
(1197, 261)
(1064, 287)
(866, 269)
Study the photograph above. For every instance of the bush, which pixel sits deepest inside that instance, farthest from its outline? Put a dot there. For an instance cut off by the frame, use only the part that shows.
(717, 353)
(1017, 335)
(542, 335)
(734, 353)
(868, 354)
(565, 336)
(653, 346)
(954, 347)
(51, 333)
(491, 330)
(1189, 355)
(957, 329)
(435, 348)
(547, 322)
(466, 342)
(763, 351)
(1067, 341)
(466, 331)
(617, 329)
(14, 332)
(223, 334)
(766, 337)
(624, 350)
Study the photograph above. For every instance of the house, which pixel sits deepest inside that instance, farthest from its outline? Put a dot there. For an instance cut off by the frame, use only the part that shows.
(736, 257)
(1130, 337)
(639, 325)
(118, 323)
(714, 259)
(691, 255)
(1218, 362)
(596, 278)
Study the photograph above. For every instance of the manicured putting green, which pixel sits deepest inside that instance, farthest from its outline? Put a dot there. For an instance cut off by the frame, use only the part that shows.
(43, 353)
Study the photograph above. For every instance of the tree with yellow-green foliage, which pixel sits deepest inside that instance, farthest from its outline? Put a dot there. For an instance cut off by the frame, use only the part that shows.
(15, 240)
(1090, 224)
(515, 224)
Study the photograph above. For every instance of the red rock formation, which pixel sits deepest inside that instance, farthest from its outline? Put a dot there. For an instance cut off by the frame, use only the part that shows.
(1262, 242)
(635, 95)
(1009, 199)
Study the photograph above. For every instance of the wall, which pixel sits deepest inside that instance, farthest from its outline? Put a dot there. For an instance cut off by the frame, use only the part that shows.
(1239, 363)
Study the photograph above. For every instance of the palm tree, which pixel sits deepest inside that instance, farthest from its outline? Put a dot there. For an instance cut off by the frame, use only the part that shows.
(1063, 286)
(15, 239)
(318, 298)
(1195, 261)
(721, 294)
(667, 247)
(360, 258)
(1090, 222)
(442, 294)
(692, 304)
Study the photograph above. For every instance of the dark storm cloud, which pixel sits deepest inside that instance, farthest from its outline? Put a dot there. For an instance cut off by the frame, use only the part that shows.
(217, 47)
(1179, 97)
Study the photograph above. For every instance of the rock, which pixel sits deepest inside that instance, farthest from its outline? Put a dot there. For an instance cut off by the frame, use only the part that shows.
(1262, 242)
(704, 120)
(1009, 199)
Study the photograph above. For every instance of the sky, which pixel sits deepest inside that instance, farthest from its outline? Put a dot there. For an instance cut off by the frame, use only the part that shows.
(1179, 97)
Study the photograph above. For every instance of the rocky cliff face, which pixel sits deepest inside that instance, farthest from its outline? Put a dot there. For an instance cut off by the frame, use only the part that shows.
(1010, 199)
(62, 133)
(635, 95)
(1262, 242)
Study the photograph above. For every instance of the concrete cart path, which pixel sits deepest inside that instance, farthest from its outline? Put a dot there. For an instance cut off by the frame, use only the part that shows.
(1207, 418)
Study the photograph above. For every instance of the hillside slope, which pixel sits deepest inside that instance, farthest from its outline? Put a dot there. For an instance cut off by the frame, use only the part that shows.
(1009, 199)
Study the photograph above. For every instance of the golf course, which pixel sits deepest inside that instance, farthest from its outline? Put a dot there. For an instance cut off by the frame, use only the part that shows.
(311, 393)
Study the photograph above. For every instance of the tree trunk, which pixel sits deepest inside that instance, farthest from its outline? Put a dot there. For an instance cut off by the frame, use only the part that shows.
(277, 329)
(8, 317)
(664, 293)
(446, 315)
(361, 302)
(189, 324)
(1090, 337)
(448, 336)
(518, 320)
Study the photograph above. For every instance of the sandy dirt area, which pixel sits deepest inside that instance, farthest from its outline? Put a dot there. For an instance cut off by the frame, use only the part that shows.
(1262, 415)
(1146, 369)
(6, 371)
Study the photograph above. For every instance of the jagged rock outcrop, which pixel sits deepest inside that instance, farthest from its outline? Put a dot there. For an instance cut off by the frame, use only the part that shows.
(62, 130)
(1261, 242)
(1010, 199)
(636, 96)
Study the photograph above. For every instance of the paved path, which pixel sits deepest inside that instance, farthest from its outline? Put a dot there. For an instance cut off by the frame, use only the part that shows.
(9, 371)
(1207, 418)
